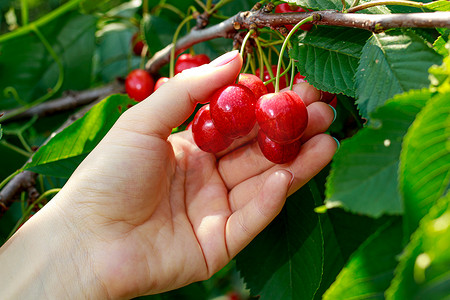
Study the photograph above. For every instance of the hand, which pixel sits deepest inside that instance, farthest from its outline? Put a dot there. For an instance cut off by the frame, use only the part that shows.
(151, 212)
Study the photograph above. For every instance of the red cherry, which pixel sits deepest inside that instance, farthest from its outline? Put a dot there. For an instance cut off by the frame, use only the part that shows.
(254, 83)
(276, 152)
(266, 76)
(299, 78)
(188, 61)
(137, 43)
(282, 116)
(233, 110)
(289, 8)
(160, 82)
(205, 134)
(333, 102)
(139, 85)
(326, 97)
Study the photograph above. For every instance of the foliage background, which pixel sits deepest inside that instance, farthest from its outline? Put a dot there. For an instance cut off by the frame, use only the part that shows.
(374, 224)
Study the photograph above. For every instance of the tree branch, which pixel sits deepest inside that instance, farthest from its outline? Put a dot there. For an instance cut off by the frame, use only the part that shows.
(27, 179)
(260, 19)
(69, 101)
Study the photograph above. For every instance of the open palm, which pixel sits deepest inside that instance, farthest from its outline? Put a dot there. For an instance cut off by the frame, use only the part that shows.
(160, 213)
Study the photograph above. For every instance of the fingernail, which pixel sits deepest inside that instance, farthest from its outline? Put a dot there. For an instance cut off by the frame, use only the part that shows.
(224, 59)
(337, 142)
(335, 113)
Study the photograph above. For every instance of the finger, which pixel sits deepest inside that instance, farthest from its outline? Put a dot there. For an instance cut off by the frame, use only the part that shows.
(248, 161)
(314, 156)
(307, 92)
(174, 102)
(245, 223)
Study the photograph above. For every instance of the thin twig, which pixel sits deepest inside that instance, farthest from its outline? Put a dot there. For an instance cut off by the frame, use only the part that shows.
(243, 20)
(71, 100)
(27, 179)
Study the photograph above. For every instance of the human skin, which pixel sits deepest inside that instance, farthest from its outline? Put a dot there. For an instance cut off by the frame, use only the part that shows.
(147, 211)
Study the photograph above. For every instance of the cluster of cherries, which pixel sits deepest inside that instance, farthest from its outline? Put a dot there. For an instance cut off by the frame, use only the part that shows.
(234, 110)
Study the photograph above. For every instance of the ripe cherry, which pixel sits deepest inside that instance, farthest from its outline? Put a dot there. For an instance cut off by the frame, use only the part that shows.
(188, 61)
(233, 110)
(298, 78)
(160, 82)
(205, 134)
(266, 77)
(282, 116)
(333, 102)
(139, 85)
(326, 97)
(276, 152)
(137, 44)
(254, 83)
(289, 8)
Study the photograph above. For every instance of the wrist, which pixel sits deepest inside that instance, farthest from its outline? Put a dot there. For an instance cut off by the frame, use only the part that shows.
(47, 258)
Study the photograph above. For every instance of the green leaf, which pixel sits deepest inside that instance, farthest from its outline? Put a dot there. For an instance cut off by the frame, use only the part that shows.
(440, 76)
(423, 271)
(1, 132)
(402, 58)
(27, 66)
(439, 45)
(370, 269)
(363, 178)
(285, 260)
(67, 149)
(441, 5)
(343, 233)
(329, 57)
(158, 32)
(114, 52)
(425, 160)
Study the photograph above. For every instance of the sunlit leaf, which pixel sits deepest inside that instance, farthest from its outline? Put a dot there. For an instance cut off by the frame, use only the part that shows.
(425, 160)
(67, 149)
(423, 271)
(364, 171)
(402, 58)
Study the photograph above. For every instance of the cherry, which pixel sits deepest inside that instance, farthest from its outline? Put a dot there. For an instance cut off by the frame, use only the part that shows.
(326, 97)
(205, 134)
(282, 116)
(254, 83)
(333, 102)
(139, 84)
(289, 8)
(188, 61)
(233, 110)
(160, 82)
(137, 44)
(266, 77)
(299, 78)
(276, 152)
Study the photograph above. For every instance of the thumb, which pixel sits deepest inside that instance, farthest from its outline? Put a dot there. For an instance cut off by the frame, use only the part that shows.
(175, 101)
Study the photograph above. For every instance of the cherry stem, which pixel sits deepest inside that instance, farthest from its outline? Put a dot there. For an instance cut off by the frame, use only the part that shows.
(286, 41)
(291, 84)
(244, 42)
(379, 3)
(281, 75)
(174, 41)
(261, 59)
(247, 64)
